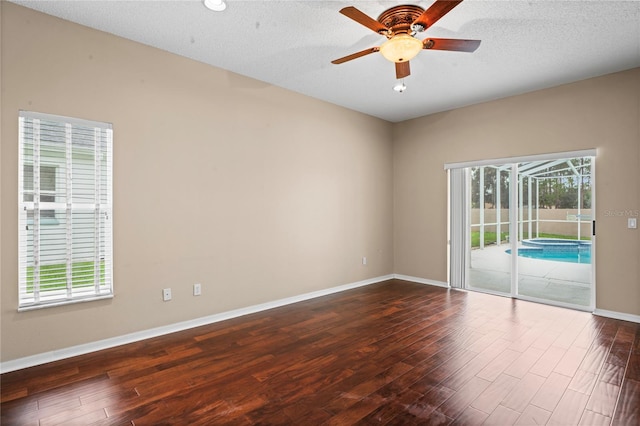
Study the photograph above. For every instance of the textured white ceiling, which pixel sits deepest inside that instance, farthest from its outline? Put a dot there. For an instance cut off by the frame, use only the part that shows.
(526, 45)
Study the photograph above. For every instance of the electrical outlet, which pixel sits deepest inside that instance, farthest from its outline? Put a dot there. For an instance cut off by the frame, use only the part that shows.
(197, 289)
(166, 294)
(364, 260)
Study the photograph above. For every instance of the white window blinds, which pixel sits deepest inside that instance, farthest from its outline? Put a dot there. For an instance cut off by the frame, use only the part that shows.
(65, 205)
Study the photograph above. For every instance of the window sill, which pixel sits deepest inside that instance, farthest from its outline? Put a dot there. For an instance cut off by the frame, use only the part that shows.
(52, 304)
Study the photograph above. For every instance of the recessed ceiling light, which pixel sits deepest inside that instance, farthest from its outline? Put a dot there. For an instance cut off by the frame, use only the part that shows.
(215, 5)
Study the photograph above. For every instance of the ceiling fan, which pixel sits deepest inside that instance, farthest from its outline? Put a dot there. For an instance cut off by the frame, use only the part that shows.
(400, 24)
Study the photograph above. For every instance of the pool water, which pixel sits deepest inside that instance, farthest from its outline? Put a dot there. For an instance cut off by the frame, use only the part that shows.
(572, 251)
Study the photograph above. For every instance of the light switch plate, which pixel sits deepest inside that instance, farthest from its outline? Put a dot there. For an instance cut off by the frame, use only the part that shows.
(632, 223)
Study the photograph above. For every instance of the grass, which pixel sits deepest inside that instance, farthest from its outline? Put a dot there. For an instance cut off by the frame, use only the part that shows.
(54, 277)
(490, 237)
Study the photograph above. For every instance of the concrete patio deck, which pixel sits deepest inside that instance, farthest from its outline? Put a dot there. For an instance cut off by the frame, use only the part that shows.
(563, 282)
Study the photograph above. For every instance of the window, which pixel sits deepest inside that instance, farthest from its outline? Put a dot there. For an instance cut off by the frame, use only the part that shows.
(47, 188)
(65, 205)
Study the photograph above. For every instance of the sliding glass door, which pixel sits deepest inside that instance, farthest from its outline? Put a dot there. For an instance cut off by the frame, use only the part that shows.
(527, 229)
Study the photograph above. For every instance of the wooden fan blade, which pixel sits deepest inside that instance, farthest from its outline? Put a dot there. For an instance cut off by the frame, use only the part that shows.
(402, 69)
(355, 55)
(453, 44)
(435, 12)
(363, 19)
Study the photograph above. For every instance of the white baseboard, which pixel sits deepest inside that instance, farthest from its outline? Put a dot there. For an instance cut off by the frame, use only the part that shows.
(617, 315)
(421, 280)
(69, 352)
(600, 312)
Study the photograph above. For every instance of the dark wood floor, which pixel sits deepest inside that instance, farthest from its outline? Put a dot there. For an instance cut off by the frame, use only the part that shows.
(389, 353)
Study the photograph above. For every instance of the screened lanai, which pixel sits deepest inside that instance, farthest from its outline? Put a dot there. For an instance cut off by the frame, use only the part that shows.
(561, 185)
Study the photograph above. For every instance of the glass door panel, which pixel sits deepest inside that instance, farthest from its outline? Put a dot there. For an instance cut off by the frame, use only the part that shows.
(489, 263)
(554, 248)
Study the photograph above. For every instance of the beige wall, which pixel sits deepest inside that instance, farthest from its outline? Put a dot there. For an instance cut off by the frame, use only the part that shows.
(256, 192)
(602, 113)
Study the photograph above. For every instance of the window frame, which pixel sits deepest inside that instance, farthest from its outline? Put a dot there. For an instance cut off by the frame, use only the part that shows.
(79, 236)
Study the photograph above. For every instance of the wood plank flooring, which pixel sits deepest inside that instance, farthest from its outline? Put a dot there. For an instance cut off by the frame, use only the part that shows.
(394, 353)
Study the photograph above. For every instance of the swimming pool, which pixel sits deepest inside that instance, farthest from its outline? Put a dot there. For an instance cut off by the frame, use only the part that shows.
(572, 251)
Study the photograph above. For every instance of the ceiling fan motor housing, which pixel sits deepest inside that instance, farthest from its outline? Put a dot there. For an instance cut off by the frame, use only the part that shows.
(399, 19)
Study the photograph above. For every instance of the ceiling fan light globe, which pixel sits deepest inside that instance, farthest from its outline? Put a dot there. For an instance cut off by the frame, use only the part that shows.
(401, 48)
